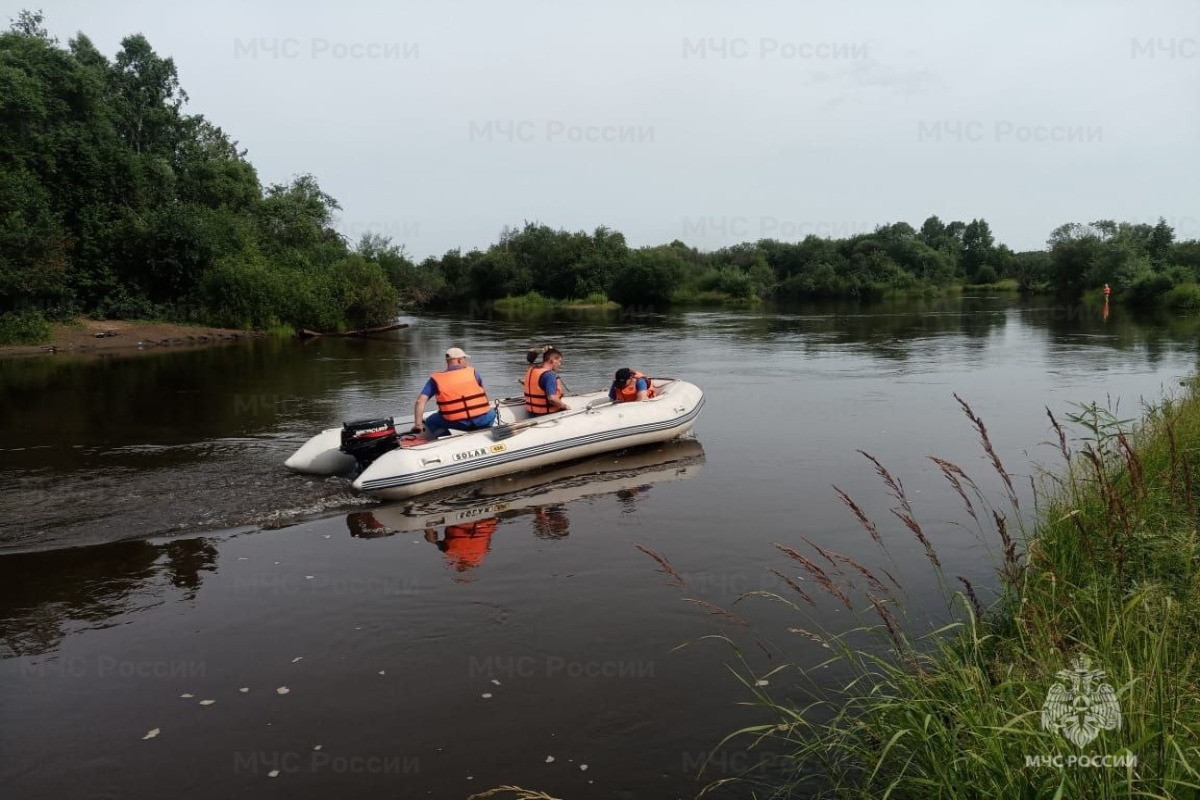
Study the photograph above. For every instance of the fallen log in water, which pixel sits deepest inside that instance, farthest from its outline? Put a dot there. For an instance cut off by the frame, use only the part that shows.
(307, 334)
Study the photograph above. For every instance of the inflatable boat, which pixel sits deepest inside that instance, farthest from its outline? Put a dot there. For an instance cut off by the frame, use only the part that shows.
(396, 467)
(626, 473)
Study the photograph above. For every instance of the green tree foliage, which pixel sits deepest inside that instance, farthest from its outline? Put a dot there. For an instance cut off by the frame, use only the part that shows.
(1141, 262)
(978, 247)
(419, 283)
(1032, 270)
(114, 201)
(649, 277)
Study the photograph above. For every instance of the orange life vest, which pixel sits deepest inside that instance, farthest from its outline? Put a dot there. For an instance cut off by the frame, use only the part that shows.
(627, 394)
(468, 543)
(459, 395)
(536, 400)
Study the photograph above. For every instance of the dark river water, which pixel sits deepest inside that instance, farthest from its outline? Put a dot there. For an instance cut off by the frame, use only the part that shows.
(155, 555)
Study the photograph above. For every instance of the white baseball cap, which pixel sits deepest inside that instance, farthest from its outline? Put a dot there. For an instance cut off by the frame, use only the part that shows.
(456, 352)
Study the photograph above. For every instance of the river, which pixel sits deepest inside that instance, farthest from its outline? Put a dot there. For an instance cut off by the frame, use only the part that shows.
(155, 555)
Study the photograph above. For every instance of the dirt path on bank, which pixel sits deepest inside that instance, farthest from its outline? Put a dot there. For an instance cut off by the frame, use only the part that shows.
(122, 337)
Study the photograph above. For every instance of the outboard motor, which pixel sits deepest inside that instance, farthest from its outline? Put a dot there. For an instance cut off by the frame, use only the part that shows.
(368, 439)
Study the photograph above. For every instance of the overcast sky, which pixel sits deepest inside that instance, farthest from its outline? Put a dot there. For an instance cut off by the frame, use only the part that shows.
(710, 122)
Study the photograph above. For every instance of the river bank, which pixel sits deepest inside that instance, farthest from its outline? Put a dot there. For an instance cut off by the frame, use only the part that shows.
(1079, 681)
(84, 335)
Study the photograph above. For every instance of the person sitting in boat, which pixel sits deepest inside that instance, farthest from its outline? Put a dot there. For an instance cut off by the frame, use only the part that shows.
(463, 403)
(630, 385)
(543, 389)
(537, 352)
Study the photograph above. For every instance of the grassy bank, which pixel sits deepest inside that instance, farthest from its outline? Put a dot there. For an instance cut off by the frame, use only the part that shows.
(1106, 579)
(533, 302)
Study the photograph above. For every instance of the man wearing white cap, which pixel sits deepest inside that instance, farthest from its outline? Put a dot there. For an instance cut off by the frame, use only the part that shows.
(462, 402)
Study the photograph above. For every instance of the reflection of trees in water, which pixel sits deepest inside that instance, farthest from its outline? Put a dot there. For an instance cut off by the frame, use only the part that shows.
(890, 329)
(42, 594)
(1157, 332)
(884, 329)
(169, 398)
(186, 559)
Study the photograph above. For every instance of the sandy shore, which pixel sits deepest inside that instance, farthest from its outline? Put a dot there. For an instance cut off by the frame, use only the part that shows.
(115, 336)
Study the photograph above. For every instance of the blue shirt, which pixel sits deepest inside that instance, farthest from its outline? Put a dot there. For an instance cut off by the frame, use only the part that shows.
(641, 387)
(549, 383)
(431, 388)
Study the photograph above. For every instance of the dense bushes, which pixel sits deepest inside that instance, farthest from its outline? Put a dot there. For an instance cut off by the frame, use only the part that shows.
(1184, 297)
(23, 328)
(116, 203)
(648, 277)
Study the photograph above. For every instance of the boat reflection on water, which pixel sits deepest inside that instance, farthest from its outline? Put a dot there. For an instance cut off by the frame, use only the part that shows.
(462, 526)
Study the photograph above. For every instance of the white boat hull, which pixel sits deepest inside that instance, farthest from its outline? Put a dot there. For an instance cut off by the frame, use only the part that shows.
(480, 455)
(507, 497)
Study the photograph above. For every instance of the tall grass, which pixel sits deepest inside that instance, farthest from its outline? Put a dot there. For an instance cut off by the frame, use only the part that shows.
(513, 793)
(1107, 573)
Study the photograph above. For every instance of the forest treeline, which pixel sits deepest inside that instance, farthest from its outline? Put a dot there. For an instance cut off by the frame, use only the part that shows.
(115, 202)
(1142, 262)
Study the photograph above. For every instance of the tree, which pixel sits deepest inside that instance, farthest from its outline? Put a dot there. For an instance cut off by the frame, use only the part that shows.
(649, 277)
(497, 274)
(933, 231)
(1074, 253)
(1032, 270)
(150, 95)
(1160, 243)
(113, 201)
(210, 170)
(296, 219)
(29, 23)
(977, 243)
